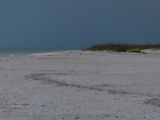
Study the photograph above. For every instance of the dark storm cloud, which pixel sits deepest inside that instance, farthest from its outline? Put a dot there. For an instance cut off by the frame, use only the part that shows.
(78, 23)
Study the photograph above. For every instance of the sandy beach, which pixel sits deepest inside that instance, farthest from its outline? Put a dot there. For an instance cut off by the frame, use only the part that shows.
(80, 85)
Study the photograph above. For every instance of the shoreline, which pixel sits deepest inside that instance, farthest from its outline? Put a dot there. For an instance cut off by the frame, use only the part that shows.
(41, 52)
(81, 52)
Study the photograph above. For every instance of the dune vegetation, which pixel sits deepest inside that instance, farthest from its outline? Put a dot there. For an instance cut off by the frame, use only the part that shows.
(123, 47)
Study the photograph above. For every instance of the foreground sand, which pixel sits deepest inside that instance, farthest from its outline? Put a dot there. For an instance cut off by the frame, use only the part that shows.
(76, 85)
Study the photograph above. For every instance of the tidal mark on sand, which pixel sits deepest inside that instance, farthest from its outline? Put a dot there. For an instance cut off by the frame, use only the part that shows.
(153, 101)
(46, 78)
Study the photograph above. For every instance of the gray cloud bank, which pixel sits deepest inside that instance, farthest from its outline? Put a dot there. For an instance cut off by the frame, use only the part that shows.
(78, 23)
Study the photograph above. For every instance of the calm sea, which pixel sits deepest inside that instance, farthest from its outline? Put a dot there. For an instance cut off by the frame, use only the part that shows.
(21, 52)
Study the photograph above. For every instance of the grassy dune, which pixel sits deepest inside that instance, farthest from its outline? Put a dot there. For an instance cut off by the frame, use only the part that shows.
(123, 47)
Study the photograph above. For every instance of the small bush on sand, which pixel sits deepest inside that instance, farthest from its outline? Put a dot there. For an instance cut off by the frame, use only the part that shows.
(120, 50)
(134, 51)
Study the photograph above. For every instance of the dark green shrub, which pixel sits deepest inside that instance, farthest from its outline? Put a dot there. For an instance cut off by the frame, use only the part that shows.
(135, 51)
(120, 50)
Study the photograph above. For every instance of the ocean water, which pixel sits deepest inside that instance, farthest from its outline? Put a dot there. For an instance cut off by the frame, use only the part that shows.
(21, 52)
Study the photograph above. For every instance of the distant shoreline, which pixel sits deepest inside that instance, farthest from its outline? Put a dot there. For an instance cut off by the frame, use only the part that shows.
(16, 52)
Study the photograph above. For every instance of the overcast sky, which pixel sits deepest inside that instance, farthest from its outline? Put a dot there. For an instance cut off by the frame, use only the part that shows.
(78, 23)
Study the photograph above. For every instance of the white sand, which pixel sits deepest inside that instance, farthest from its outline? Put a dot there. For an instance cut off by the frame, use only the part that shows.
(78, 85)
